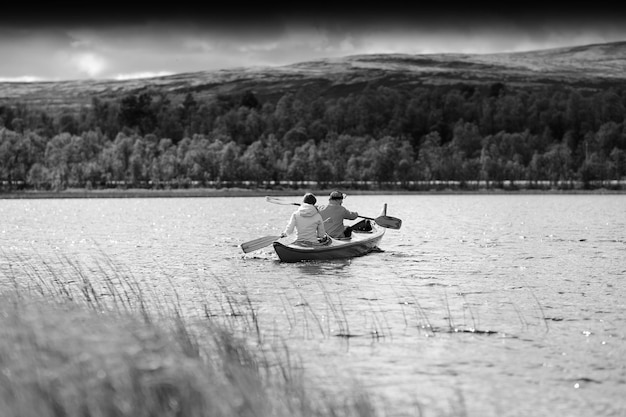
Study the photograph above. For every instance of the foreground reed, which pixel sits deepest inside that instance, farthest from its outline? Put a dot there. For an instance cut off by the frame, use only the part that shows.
(67, 352)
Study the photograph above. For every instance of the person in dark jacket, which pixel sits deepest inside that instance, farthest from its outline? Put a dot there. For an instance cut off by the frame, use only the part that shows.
(334, 214)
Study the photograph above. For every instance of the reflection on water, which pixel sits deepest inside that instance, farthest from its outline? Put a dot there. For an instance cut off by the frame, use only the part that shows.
(480, 305)
(332, 268)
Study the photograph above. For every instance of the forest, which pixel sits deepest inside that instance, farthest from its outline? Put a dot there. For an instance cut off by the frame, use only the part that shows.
(492, 136)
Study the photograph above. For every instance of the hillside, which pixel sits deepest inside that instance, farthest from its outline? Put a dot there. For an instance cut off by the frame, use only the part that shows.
(590, 66)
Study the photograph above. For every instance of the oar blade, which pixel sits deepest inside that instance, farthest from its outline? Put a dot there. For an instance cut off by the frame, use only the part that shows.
(259, 243)
(276, 200)
(388, 222)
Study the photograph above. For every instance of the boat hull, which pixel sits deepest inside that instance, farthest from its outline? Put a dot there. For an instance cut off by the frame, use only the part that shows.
(359, 244)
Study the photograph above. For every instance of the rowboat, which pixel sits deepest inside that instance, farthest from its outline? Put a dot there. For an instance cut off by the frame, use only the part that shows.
(360, 243)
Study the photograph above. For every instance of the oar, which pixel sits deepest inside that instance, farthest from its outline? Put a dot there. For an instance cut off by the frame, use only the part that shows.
(276, 200)
(383, 221)
(386, 221)
(258, 243)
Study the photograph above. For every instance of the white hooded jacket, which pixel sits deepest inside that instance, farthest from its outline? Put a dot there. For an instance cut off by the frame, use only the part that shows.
(308, 224)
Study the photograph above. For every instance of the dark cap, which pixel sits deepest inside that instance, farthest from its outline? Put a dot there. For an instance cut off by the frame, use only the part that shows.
(336, 195)
(309, 198)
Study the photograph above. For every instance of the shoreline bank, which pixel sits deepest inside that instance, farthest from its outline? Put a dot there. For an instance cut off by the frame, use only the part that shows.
(243, 192)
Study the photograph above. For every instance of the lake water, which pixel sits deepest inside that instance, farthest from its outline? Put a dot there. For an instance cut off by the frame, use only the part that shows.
(481, 305)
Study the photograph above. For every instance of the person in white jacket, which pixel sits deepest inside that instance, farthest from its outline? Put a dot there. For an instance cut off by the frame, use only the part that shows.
(307, 222)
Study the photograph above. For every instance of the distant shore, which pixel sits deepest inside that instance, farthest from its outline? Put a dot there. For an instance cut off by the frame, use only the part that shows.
(244, 192)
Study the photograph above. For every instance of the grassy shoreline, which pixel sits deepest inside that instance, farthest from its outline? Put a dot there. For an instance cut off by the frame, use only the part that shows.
(244, 192)
(62, 359)
(76, 342)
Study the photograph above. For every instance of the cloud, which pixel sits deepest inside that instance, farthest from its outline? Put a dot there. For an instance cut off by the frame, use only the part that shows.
(20, 79)
(139, 75)
(145, 43)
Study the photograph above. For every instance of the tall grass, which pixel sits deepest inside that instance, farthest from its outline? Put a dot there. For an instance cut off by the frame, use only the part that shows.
(91, 341)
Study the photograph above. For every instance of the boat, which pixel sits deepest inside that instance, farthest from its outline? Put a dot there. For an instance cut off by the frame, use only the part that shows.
(360, 243)
(365, 237)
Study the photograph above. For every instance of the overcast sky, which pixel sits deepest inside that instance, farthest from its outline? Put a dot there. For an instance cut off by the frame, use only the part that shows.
(109, 41)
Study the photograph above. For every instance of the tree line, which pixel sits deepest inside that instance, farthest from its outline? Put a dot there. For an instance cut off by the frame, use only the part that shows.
(379, 135)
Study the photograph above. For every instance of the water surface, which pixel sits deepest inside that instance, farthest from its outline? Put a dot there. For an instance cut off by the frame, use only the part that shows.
(482, 305)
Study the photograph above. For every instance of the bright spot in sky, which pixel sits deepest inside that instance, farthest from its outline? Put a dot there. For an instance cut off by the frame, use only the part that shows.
(89, 63)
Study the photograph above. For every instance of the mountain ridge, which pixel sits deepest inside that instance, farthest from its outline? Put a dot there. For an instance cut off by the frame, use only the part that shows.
(589, 66)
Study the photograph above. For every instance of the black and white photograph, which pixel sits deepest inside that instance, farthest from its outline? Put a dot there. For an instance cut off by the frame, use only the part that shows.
(312, 210)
